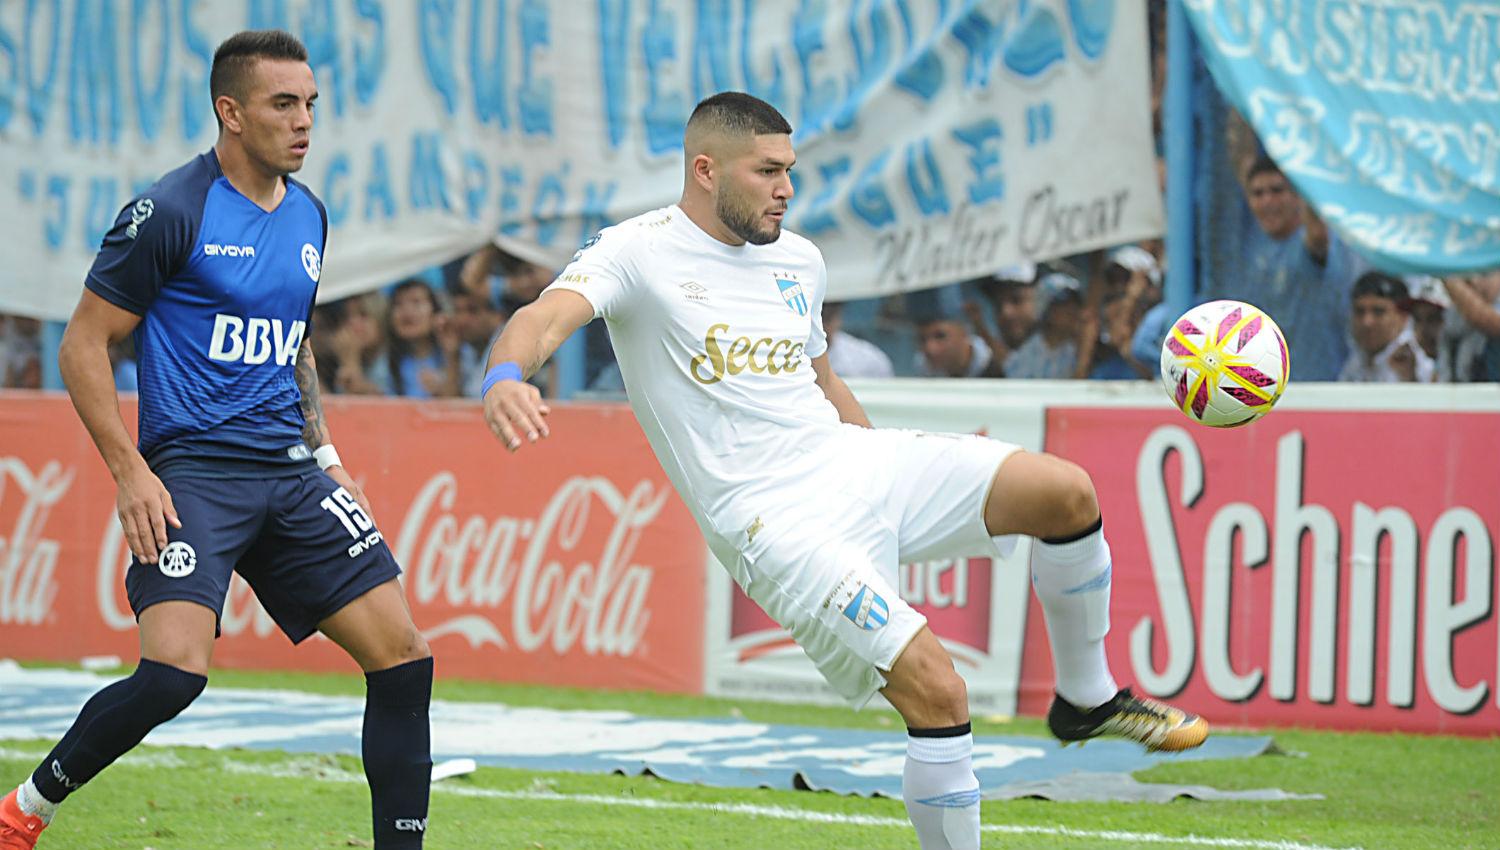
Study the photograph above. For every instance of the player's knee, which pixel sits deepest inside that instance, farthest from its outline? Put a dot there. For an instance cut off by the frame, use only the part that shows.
(166, 690)
(951, 696)
(1075, 505)
(404, 647)
(945, 698)
(416, 647)
(926, 690)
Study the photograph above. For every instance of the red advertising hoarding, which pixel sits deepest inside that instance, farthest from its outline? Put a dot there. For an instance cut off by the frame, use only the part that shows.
(1321, 569)
(1316, 568)
(572, 562)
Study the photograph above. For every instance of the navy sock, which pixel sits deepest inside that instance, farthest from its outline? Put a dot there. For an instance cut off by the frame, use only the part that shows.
(397, 750)
(112, 722)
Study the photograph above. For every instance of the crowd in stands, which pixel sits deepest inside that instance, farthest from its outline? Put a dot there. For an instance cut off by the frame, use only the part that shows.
(1098, 316)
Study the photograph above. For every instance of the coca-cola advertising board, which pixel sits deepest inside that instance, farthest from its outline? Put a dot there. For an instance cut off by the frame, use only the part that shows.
(1327, 568)
(571, 562)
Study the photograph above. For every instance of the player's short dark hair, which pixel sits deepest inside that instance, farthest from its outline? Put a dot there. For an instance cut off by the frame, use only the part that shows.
(236, 55)
(738, 113)
(1263, 165)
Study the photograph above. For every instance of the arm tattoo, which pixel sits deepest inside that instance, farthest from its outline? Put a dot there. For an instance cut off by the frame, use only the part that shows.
(315, 429)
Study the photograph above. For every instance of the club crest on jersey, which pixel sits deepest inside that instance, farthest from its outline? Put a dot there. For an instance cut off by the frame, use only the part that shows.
(585, 246)
(791, 292)
(138, 215)
(867, 610)
(312, 263)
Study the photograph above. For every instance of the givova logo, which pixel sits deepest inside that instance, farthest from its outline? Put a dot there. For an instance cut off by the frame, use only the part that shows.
(213, 250)
(411, 824)
(255, 340)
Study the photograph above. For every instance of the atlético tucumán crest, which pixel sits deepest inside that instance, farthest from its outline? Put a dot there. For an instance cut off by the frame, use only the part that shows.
(791, 292)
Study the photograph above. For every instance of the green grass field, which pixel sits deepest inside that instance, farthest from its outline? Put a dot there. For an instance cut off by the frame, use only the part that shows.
(1382, 791)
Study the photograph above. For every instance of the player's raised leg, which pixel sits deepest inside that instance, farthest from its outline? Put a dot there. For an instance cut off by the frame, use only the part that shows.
(377, 631)
(1053, 501)
(176, 644)
(938, 783)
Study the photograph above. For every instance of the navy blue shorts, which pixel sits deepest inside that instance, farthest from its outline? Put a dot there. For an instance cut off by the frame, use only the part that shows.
(301, 541)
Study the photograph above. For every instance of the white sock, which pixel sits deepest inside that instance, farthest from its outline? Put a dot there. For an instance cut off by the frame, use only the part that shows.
(1072, 581)
(941, 792)
(33, 803)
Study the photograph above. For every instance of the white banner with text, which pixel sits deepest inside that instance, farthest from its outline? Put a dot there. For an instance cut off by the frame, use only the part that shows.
(937, 141)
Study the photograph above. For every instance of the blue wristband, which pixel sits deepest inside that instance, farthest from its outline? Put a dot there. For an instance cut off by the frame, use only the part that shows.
(506, 371)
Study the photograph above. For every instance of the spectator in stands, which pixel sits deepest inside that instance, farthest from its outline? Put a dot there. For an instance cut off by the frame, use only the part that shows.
(478, 320)
(477, 269)
(850, 356)
(422, 344)
(1385, 349)
(20, 353)
(1429, 307)
(1052, 352)
(1012, 294)
(351, 332)
(945, 346)
(1295, 270)
(1471, 337)
(1131, 284)
(523, 280)
(1100, 356)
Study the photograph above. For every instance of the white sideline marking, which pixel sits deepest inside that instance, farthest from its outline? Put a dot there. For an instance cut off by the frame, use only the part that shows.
(322, 771)
(782, 813)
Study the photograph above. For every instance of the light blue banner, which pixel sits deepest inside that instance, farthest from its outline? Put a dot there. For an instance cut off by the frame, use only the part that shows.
(1384, 113)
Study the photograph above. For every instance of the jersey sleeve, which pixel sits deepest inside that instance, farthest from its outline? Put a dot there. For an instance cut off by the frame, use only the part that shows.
(148, 244)
(602, 273)
(322, 257)
(817, 339)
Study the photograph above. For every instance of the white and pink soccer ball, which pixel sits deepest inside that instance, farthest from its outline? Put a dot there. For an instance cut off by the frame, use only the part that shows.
(1224, 363)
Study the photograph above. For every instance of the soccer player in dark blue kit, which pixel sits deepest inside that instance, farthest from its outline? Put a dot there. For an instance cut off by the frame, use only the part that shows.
(214, 270)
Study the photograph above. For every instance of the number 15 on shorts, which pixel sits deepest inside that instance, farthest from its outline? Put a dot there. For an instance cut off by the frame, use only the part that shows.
(354, 519)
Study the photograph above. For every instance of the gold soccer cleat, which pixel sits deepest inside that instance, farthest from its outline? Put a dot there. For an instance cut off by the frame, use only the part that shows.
(1155, 724)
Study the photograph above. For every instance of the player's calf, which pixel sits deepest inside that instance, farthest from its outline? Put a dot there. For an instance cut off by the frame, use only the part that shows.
(397, 752)
(938, 783)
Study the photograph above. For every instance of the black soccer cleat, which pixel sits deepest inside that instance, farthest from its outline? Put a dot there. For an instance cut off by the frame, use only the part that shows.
(1157, 725)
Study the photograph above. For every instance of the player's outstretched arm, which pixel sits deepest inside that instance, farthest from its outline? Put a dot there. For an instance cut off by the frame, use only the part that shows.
(838, 393)
(513, 407)
(315, 432)
(144, 505)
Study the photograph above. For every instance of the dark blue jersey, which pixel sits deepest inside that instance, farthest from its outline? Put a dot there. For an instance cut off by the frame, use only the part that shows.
(224, 290)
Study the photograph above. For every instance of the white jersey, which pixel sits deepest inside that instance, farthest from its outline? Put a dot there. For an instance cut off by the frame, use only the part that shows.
(715, 344)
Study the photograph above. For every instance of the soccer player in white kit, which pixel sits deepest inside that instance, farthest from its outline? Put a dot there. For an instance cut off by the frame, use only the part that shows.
(714, 313)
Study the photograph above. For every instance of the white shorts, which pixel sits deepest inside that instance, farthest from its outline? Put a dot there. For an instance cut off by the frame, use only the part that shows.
(824, 560)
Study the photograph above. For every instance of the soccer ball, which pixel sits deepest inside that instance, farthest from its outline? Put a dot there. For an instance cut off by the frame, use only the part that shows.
(1224, 363)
